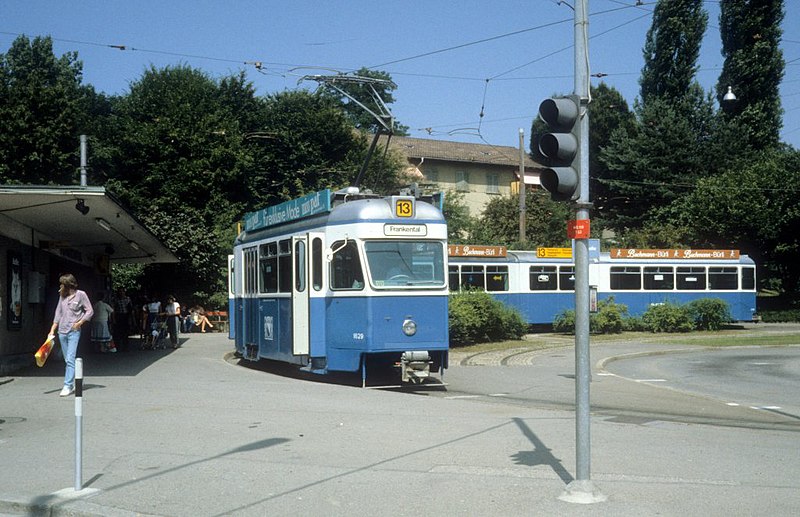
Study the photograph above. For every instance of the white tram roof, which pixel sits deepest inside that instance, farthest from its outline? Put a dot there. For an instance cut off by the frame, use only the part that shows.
(356, 209)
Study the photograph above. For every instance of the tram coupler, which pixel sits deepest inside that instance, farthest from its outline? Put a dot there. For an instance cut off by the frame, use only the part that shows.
(415, 365)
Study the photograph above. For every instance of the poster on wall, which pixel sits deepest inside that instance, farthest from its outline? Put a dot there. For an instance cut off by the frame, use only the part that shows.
(14, 291)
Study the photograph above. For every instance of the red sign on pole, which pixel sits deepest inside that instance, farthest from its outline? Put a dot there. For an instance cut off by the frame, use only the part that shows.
(578, 229)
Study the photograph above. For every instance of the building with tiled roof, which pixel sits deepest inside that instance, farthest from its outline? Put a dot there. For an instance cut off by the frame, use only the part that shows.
(479, 171)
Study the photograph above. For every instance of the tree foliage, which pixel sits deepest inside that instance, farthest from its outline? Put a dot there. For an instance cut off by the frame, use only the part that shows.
(672, 48)
(545, 221)
(44, 108)
(753, 67)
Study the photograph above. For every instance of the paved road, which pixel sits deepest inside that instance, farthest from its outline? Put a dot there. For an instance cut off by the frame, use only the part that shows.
(763, 378)
(188, 433)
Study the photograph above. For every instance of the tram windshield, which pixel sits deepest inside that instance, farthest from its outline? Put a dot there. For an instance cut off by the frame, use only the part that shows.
(405, 263)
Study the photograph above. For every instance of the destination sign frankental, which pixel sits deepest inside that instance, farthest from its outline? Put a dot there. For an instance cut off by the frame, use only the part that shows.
(634, 253)
(302, 207)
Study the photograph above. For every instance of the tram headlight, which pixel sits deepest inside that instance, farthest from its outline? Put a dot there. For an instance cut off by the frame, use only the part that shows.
(409, 327)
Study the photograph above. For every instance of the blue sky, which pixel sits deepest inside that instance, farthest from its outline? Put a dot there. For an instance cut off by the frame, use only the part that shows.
(451, 60)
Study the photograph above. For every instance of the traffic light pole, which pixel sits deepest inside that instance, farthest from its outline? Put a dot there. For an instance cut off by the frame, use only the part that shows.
(582, 490)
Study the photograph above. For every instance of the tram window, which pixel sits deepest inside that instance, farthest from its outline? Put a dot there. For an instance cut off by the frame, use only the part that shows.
(346, 272)
(660, 277)
(316, 260)
(543, 278)
(497, 278)
(452, 278)
(723, 278)
(691, 278)
(626, 278)
(566, 278)
(285, 247)
(748, 278)
(250, 270)
(405, 263)
(300, 266)
(472, 276)
(268, 268)
(285, 274)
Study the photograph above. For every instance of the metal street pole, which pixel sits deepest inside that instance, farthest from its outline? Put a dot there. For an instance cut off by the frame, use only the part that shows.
(582, 490)
(521, 185)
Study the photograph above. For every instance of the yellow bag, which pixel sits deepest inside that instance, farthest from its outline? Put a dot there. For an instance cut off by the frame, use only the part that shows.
(43, 353)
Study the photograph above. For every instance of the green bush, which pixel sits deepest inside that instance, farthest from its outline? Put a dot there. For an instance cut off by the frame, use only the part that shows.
(780, 316)
(609, 319)
(668, 317)
(476, 317)
(709, 313)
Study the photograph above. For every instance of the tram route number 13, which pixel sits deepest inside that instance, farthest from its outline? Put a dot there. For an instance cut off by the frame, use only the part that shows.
(404, 208)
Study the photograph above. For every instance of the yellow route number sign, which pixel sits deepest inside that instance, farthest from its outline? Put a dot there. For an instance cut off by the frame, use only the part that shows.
(554, 252)
(404, 207)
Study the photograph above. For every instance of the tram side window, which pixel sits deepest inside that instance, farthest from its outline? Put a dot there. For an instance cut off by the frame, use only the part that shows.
(626, 278)
(748, 278)
(268, 268)
(316, 268)
(691, 278)
(472, 276)
(723, 278)
(346, 272)
(566, 278)
(250, 270)
(285, 266)
(300, 266)
(659, 278)
(497, 278)
(543, 278)
(452, 278)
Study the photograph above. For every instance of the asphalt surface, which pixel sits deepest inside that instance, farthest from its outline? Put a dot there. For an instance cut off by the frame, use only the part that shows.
(190, 432)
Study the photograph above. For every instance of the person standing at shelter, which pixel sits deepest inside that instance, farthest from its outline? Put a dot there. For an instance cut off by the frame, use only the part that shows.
(123, 314)
(73, 310)
(173, 312)
(101, 332)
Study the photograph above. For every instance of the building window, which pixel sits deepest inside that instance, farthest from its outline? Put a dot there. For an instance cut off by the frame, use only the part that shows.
(462, 181)
(432, 174)
(492, 183)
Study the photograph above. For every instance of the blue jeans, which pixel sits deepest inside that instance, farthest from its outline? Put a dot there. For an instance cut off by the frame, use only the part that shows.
(69, 349)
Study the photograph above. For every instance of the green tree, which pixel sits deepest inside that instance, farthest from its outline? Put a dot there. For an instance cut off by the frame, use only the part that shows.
(753, 208)
(657, 161)
(608, 112)
(460, 225)
(179, 161)
(671, 49)
(44, 108)
(545, 221)
(753, 67)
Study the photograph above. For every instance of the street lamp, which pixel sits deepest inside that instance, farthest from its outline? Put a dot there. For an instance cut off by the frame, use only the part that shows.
(729, 97)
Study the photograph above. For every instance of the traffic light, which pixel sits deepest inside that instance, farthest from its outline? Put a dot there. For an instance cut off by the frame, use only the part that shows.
(561, 147)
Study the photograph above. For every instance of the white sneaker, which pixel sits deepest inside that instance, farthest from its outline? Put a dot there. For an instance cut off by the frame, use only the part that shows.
(66, 391)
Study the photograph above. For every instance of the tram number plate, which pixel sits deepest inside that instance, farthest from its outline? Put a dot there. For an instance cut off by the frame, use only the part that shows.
(404, 208)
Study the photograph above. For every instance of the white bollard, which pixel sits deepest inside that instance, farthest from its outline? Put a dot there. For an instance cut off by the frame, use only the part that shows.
(78, 424)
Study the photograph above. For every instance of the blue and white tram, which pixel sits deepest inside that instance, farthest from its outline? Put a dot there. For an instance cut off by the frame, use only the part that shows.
(541, 287)
(342, 281)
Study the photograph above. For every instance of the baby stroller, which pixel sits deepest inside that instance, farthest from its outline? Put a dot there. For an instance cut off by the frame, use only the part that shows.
(157, 336)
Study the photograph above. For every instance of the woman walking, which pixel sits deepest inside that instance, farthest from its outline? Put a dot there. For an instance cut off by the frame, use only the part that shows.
(73, 310)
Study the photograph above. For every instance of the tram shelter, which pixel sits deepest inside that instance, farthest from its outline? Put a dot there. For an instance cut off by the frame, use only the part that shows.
(46, 231)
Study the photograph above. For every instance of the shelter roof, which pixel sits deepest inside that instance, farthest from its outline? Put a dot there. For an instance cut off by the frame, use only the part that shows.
(87, 219)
